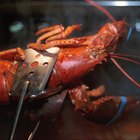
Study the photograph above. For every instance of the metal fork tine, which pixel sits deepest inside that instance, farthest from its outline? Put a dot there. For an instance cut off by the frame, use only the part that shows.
(24, 91)
(33, 132)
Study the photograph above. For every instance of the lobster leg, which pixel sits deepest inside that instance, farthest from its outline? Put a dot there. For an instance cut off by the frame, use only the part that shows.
(58, 43)
(98, 41)
(57, 33)
(85, 41)
(48, 29)
(65, 33)
(97, 107)
(12, 54)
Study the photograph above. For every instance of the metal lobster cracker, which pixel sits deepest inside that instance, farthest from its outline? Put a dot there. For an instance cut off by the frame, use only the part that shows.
(35, 69)
(32, 76)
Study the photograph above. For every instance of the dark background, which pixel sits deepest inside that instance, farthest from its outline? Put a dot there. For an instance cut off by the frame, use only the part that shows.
(18, 22)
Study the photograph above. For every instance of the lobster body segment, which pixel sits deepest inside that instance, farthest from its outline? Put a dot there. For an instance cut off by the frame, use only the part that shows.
(73, 64)
(9, 61)
(7, 72)
(78, 59)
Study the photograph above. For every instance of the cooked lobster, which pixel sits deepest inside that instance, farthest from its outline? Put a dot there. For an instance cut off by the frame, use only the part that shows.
(77, 57)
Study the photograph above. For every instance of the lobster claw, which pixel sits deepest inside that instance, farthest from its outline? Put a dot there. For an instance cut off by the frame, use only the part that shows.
(108, 109)
(100, 108)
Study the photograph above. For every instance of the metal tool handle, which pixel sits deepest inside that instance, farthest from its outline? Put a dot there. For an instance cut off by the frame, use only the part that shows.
(24, 91)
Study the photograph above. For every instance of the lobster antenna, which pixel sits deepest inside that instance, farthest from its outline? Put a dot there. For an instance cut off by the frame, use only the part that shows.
(125, 73)
(93, 3)
(127, 55)
(127, 59)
